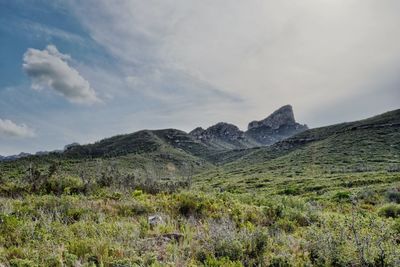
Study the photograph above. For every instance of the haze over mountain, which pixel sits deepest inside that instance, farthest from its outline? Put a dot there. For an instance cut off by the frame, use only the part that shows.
(222, 136)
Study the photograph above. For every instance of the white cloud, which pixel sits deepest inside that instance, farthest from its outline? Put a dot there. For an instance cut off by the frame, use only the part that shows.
(309, 53)
(11, 129)
(49, 68)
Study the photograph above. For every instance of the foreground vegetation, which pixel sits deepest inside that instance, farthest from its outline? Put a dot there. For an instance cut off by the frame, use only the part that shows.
(326, 197)
(51, 218)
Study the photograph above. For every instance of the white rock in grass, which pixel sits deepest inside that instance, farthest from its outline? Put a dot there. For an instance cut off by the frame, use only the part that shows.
(155, 220)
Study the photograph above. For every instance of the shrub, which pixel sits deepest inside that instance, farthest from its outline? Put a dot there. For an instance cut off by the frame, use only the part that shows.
(80, 248)
(64, 185)
(124, 263)
(13, 189)
(22, 263)
(369, 197)
(396, 227)
(393, 195)
(286, 225)
(192, 205)
(230, 249)
(255, 244)
(279, 261)
(10, 228)
(273, 213)
(214, 262)
(187, 206)
(70, 260)
(74, 214)
(133, 208)
(390, 211)
(342, 196)
(291, 191)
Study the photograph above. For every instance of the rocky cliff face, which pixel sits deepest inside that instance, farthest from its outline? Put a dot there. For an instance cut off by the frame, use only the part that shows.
(220, 130)
(279, 125)
(280, 117)
(222, 135)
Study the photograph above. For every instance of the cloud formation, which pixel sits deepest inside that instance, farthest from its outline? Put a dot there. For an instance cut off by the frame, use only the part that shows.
(11, 129)
(49, 68)
(309, 53)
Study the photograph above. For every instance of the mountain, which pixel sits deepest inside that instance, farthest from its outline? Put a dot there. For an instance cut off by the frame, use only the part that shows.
(223, 136)
(15, 157)
(375, 139)
(205, 144)
(321, 192)
(366, 147)
(279, 125)
(373, 142)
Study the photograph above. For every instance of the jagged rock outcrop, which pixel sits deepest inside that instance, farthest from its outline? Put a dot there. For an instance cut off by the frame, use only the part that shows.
(197, 133)
(279, 125)
(220, 130)
(221, 135)
(280, 117)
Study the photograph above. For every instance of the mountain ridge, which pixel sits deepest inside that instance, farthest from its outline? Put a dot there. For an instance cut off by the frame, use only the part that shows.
(279, 125)
(219, 137)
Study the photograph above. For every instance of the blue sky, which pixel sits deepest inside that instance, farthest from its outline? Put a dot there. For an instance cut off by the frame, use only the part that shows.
(79, 71)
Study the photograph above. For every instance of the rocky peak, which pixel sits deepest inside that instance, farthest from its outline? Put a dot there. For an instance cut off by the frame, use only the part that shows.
(71, 146)
(197, 132)
(281, 117)
(224, 129)
(220, 130)
(279, 125)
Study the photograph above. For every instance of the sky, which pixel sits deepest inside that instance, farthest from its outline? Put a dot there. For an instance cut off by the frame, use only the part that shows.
(80, 71)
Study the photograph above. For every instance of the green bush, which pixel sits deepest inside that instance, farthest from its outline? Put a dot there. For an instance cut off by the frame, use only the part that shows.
(230, 249)
(279, 261)
(255, 244)
(286, 225)
(10, 230)
(396, 227)
(342, 196)
(13, 189)
(22, 263)
(393, 195)
(70, 260)
(192, 205)
(64, 185)
(133, 208)
(390, 211)
(80, 248)
(272, 213)
(214, 262)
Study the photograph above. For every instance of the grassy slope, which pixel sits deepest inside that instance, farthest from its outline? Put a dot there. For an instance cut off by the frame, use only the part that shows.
(318, 161)
(163, 153)
(326, 197)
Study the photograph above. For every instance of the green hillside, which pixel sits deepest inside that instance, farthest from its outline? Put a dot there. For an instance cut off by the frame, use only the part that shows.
(318, 160)
(325, 197)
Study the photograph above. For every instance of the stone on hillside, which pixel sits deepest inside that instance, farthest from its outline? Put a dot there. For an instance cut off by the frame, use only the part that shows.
(155, 220)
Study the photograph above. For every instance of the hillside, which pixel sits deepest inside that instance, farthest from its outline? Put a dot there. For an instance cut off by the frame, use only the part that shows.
(376, 139)
(328, 196)
(347, 153)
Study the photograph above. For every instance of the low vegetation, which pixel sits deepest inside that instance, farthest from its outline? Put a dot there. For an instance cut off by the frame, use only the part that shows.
(326, 197)
(51, 218)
